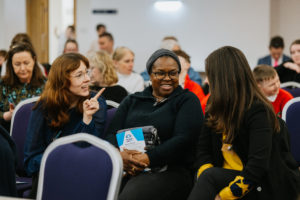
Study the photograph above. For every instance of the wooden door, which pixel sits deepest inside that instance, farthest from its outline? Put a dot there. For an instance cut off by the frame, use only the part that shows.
(37, 27)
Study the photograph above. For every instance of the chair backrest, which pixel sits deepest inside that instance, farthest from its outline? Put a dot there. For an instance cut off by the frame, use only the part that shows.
(291, 84)
(291, 115)
(295, 92)
(112, 103)
(18, 129)
(109, 115)
(69, 171)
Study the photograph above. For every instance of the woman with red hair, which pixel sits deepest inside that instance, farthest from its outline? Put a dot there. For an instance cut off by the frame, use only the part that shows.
(66, 107)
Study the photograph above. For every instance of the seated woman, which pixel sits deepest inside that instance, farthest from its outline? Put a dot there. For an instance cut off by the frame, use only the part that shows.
(66, 107)
(177, 116)
(23, 79)
(290, 71)
(123, 59)
(103, 74)
(240, 152)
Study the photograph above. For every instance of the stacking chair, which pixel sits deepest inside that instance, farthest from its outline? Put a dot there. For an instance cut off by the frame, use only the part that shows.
(291, 115)
(18, 129)
(292, 87)
(109, 116)
(69, 171)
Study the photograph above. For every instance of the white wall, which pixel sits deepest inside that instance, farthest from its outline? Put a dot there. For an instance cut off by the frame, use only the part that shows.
(285, 19)
(12, 20)
(201, 26)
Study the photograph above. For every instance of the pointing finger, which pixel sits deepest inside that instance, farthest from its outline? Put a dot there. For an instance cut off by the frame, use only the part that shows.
(99, 94)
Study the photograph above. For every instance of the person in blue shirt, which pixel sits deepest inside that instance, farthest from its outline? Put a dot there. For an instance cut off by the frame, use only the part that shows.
(65, 107)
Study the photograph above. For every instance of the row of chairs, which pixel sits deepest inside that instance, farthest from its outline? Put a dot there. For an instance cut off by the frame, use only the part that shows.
(19, 123)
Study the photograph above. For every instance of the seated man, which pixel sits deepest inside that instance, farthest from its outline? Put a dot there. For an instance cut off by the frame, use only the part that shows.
(276, 56)
(268, 81)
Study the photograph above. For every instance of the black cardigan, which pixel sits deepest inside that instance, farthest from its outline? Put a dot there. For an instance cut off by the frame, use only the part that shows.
(178, 121)
(266, 157)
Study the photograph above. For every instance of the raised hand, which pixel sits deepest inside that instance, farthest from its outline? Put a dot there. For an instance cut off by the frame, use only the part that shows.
(90, 107)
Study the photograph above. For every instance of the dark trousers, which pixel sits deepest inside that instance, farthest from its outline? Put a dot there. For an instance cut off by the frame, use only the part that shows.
(174, 183)
(212, 181)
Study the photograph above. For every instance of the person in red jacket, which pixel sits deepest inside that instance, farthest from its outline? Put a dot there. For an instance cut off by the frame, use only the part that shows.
(184, 79)
(268, 81)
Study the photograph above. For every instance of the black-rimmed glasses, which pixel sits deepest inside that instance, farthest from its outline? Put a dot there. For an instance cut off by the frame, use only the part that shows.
(161, 75)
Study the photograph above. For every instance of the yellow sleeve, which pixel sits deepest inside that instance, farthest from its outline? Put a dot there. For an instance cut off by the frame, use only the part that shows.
(236, 189)
(202, 168)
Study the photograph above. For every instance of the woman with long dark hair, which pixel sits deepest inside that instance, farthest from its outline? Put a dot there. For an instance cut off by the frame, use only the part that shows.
(240, 150)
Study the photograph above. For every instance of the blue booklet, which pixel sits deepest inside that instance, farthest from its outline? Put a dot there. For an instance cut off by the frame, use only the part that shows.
(131, 139)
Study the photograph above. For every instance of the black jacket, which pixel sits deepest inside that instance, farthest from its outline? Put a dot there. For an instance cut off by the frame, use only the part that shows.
(178, 121)
(266, 157)
(7, 164)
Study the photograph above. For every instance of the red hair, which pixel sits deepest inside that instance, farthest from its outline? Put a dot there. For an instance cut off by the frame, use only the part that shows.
(55, 99)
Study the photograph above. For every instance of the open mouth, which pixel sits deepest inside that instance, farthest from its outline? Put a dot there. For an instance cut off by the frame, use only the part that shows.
(166, 86)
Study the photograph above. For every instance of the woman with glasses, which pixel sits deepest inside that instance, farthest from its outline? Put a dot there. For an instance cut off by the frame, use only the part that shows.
(66, 107)
(177, 116)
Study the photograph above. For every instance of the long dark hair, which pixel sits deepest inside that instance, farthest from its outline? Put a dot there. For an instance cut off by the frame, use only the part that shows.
(11, 78)
(233, 90)
(55, 99)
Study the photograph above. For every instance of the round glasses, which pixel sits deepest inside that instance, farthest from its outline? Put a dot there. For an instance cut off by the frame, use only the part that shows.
(161, 75)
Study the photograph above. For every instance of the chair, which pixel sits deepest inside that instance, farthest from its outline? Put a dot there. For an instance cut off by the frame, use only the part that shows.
(291, 115)
(69, 171)
(112, 103)
(109, 116)
(18, 129)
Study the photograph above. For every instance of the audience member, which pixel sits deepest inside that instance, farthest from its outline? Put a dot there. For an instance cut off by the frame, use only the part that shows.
(123, 59)
(290, 70)
(66, 107)
(70, 33)
(7, 167)
(241, 152)
(177, 116)
(106, 42)
(184, 79)
(103, 74)
(100, 28)
(268, 81)
(171, 43)
(276, 56)
(71, 46)
(18, 38)
(23, 80)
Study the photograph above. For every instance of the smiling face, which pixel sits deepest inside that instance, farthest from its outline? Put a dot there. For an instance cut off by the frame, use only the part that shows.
(79, 81)
(164, 87)
(125, 65)
(270, 87)
(23, 65)
(295, 53)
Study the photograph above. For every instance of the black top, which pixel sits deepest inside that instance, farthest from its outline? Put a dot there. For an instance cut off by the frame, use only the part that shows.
(266, 157)
(114, 93)
(286, 74)
(7, 164)
(178, 121)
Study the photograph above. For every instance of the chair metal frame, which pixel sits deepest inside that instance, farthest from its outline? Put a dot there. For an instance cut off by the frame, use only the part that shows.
(112, 103)
(20, 104)
(115, 156)
(287, 105)
(290, 84)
